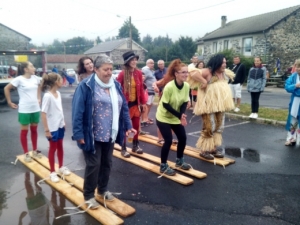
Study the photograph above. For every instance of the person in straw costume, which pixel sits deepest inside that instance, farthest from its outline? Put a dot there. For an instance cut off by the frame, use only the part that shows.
(213, 99)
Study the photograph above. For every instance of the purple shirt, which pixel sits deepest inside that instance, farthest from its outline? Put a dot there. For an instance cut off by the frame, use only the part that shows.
(102, 115)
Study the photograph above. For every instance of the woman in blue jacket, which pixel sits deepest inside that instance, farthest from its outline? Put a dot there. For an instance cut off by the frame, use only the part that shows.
(100, 117)
(256, 84)
(292, 85)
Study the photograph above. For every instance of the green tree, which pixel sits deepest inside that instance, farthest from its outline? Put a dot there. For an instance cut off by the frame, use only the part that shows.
(175, 52)
(78, 45)
(98, 40)
(56, 47)
(147, 40)
(188, 46)
(124, 32)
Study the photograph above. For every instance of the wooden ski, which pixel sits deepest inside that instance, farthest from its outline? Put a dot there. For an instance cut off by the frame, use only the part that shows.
(155, 159)
(118, 206)
(101, 214)
(154, 168)
(190, 151)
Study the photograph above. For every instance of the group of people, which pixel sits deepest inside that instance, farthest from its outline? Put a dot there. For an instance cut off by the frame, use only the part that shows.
(106, 110)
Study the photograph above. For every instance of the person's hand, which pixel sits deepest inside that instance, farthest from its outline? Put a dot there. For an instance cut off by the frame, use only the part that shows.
(13, 105)
(188, 105)
(183, 121)
(81, 141)
(203, 85)
(144, 107)
(48, 134)
(298, 85)
(156, 89)
(131, 130)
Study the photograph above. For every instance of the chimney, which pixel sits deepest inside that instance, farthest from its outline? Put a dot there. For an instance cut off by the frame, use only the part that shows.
(223, 21)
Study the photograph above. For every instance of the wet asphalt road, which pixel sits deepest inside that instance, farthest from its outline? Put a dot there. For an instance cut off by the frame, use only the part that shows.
(262, 187)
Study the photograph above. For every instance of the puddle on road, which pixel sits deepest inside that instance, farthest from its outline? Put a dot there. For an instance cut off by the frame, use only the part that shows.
(248, 154)
(27, 203)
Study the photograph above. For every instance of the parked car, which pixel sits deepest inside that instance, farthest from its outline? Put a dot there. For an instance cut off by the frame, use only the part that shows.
(72, 73)
(115, 73)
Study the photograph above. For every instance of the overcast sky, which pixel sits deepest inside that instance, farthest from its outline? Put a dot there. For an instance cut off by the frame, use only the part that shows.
(45, 20)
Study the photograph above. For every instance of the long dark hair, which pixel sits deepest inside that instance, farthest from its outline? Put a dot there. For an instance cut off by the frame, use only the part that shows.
(215, 62)
(80, 65)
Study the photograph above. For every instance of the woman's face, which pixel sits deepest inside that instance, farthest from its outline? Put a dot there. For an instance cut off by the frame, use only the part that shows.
(200, 66)
(257, 62)
(132, 63)
(298, 69)
(104, 72)
(30, 69)
(88, 65)
(59, 82)
(182, 74)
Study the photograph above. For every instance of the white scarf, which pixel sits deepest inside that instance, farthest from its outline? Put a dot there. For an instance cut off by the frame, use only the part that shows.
(296, 103)
(115, 106)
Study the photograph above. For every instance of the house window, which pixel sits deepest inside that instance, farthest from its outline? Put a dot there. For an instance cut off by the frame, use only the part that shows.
(247, 49)
(215, 47)
(225, 44)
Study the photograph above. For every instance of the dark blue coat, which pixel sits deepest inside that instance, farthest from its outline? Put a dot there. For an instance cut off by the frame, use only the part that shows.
(82, 114)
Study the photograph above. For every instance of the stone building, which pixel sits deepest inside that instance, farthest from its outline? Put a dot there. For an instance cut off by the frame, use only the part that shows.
(12, 40)
(115, 49)
(271, 35)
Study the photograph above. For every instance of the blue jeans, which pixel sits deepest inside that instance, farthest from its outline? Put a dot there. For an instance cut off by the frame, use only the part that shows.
(97, 169)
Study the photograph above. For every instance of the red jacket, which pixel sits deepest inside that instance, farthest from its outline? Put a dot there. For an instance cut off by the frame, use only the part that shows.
(137, 75)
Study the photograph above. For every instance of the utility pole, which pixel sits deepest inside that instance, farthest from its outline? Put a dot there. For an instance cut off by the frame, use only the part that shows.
(130, 33)
(65, 54)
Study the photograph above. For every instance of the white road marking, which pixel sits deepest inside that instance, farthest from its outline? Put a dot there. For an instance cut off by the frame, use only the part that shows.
(231, 125)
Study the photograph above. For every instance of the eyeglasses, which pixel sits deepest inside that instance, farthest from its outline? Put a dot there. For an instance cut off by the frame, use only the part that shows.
(184, 72)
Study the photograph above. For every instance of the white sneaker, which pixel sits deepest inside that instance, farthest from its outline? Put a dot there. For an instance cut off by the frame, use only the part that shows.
(236, 109)
(27, 157)
(53, 177)
(251, 115)
(92, 203)
(255, 116)
(64, 171)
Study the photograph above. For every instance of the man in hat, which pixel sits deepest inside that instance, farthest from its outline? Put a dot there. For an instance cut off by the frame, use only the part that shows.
(131, 81)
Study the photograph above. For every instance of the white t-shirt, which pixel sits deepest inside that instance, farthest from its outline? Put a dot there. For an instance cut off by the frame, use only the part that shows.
(28, 91)
(53, 108)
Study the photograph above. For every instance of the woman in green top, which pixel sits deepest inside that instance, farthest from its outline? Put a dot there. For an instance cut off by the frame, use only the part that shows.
(170, 115)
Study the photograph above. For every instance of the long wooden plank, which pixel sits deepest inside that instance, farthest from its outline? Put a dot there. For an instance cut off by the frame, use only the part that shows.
(153, 140)
(118, 206)
(155, 159)
(103, 215)
(187, 147)
(154, 168)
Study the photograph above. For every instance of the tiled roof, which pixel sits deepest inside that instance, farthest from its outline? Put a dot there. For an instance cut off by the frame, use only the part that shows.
(61, 58)
(252, 24)
(108, 46)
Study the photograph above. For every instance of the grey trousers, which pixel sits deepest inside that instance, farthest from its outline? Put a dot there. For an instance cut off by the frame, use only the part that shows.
(97, 169)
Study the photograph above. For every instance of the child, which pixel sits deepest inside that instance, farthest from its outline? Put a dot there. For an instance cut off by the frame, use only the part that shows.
(54, 123)
(29, 105)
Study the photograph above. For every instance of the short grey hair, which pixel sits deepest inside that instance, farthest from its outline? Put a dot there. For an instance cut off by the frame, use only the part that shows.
(160, 61)
(149, 60)
(102, 59)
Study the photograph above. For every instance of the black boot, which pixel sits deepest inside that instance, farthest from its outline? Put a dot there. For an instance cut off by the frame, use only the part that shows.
(136, 148)
(124, 152)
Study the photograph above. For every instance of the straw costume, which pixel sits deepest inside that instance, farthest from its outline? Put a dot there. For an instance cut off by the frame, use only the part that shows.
(212, 102)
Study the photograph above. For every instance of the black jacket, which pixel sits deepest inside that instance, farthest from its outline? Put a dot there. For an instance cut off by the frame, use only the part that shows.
(240, 73)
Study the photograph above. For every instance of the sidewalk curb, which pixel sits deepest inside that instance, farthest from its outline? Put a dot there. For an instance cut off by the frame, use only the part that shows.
(258, 120)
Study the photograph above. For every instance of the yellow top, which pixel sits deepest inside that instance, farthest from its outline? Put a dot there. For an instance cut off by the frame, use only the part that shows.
(132, 95)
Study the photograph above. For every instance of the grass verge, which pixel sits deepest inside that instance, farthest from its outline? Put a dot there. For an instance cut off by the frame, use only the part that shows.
(268, 113)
